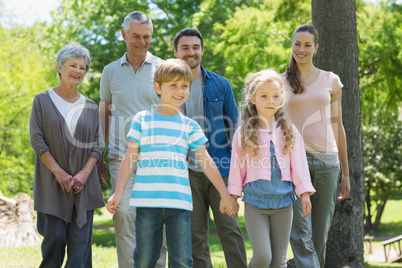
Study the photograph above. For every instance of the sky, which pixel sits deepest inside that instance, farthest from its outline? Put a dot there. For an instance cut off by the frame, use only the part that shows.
(26, 12)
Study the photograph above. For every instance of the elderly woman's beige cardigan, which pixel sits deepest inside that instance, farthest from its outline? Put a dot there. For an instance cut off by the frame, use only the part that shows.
(48, 132)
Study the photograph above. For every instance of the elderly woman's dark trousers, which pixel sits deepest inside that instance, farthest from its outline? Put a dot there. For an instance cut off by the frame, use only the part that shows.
(57, 234)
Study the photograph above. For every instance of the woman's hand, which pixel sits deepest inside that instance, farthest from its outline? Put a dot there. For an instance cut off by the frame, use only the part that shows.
(80, 179)
(65, 180)
(345, 188)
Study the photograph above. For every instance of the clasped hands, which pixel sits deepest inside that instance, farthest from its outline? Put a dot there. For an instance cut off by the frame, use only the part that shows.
(72, 184)
(229, 206)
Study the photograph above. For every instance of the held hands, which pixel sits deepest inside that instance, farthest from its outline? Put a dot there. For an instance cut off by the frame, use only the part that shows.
(229, 206)
(306, 204)
(345, 188)
(102, 172)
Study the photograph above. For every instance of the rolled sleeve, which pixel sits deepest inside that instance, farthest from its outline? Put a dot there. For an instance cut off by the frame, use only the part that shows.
(299, 171)
(36, 134)
(238, 172)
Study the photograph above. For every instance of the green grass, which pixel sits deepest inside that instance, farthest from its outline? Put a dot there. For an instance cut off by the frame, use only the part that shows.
(391, 225)
(104, 245)
(391, 221)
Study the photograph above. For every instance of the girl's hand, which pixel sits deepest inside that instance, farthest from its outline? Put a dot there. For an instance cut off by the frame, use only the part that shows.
(229, 206)
(113, 202)
(306, 203)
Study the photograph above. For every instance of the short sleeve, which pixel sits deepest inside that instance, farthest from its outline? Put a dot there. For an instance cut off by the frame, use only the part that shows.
(336, 84)
(135, 132)
(197, 137)
(105, 93)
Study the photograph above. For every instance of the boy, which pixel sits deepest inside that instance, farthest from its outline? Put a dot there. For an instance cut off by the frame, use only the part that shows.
(159, 142)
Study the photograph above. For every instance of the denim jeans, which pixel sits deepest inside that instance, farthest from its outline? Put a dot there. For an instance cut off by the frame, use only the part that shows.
(149, 231)
(124, 220)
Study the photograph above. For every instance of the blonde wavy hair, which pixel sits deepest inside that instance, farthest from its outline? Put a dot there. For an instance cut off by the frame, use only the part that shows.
(249, 116)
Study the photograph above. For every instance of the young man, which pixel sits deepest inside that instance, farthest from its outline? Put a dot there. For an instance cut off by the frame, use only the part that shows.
(159, 141)
(127, 88)
(217, 115)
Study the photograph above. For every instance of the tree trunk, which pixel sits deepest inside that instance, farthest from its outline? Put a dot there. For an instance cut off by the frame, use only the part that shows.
(336, 24)
(17, 227)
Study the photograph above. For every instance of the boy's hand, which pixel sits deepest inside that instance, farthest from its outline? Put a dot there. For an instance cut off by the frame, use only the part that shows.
(113, 202)
(306, 204)
(229, 206)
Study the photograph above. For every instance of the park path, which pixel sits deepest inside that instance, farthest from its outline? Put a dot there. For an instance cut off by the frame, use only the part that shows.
(377, 255)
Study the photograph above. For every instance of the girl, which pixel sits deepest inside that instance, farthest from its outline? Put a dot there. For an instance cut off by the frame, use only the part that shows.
(268, 164)
(315, 109)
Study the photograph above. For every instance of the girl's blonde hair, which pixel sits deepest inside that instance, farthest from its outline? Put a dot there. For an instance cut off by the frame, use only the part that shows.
(249, 116)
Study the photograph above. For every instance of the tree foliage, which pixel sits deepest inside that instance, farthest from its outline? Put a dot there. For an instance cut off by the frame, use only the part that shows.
(380, 65)
(24, 71)
(240, 36)
(256, 38)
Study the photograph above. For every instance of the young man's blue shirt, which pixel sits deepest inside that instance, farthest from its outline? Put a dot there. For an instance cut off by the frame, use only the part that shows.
(221, 117)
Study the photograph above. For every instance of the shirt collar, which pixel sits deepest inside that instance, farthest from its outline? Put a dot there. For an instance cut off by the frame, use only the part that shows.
(204, 73)
(149, 59)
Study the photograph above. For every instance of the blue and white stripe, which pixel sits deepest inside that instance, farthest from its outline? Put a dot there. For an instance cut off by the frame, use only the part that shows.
(162, 174)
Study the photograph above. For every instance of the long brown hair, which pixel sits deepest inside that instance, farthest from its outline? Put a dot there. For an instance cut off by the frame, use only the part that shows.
(292, 71)
(249, 116)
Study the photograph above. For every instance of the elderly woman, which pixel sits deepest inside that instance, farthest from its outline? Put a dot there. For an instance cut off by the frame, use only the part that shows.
(64, 133)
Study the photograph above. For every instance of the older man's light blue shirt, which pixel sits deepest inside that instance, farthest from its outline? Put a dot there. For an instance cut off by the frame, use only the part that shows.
(129, 92)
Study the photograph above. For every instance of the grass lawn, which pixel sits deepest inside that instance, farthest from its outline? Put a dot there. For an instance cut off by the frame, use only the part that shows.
(104, 246)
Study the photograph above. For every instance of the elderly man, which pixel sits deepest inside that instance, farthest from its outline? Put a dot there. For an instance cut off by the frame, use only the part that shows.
(127, 87)
(217, 114)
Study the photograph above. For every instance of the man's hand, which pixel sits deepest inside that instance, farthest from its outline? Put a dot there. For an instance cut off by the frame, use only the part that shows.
(102, 172)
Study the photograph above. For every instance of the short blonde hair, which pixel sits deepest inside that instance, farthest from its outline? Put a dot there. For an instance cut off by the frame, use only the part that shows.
(173, 69)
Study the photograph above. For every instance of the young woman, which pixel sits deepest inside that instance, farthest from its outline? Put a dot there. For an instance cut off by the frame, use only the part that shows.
(315, 108)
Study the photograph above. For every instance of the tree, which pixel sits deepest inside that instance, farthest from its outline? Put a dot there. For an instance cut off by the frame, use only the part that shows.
(380, 64)
(336, 24)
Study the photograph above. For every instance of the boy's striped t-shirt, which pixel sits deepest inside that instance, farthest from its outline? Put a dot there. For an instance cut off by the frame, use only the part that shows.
(162, 173)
